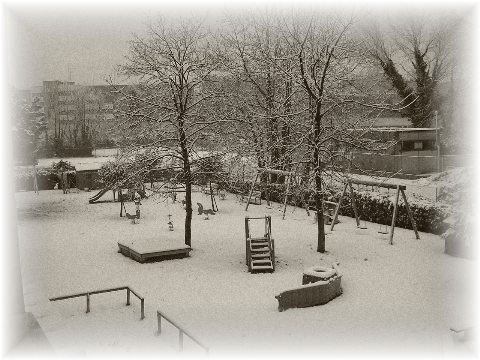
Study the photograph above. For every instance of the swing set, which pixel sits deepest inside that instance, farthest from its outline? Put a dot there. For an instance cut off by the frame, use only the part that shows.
(260, 171)
(400, 189)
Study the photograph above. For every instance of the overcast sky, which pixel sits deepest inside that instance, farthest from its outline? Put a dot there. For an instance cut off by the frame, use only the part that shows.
(84, 42)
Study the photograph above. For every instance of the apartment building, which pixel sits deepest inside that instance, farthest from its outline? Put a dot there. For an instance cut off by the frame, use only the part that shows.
(76, 112)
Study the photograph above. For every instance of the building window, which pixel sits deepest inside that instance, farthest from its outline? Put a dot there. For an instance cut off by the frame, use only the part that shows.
(418, 145)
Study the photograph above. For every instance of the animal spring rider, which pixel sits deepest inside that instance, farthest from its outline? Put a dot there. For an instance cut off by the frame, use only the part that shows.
(222, 193)
(170, 223)
(202, 211)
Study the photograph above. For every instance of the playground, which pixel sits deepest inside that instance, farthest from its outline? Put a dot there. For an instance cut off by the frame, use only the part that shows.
(397, 299)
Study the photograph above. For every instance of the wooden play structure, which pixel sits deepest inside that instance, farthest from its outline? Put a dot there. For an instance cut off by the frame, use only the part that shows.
(400, 189)
(260, 251)
(319, 286)
(256, 195)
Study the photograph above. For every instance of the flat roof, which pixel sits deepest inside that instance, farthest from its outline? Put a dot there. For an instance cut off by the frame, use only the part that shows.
(395, 129)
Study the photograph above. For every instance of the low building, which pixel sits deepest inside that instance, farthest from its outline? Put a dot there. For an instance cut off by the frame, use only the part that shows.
(413, 152)
(87, 176)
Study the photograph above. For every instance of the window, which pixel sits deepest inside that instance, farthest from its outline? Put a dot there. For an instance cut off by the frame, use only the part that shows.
(418, 145)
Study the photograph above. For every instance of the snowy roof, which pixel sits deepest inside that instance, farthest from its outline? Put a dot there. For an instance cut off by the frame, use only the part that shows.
(392, 122)
(80, 163)
(395, 129)
(88, 166)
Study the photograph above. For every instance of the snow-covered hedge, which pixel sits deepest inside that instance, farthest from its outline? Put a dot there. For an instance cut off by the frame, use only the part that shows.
(457, 190)
(429, 217)
(46, 178)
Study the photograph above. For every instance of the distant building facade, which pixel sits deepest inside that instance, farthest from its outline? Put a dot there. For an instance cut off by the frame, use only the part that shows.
(78, 114)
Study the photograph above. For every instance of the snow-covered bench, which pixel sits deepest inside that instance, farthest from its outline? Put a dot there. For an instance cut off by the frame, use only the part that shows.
(320, 285)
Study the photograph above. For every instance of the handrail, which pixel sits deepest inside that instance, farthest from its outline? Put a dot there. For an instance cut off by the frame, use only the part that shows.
(87, 294)
(181, 331)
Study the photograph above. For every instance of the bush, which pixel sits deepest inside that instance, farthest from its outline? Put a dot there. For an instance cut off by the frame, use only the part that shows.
(46, 178)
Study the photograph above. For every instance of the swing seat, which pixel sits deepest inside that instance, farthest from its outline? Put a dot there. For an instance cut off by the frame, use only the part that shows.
(256, 198)
(384, 232)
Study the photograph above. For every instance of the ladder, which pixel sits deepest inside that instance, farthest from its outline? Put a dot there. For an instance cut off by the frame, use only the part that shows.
(260, 251)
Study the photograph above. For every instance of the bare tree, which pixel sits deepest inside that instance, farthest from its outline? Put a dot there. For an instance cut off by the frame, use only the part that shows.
(332, 68)
(259, 64)
(177, 69)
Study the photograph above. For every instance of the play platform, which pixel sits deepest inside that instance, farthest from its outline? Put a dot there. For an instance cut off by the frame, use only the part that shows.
(154, 249)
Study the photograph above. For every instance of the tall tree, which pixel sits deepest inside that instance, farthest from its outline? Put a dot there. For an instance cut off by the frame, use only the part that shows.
(415, 60)
(175, 66)
(257, 51)
(29, 124)
(331, 67)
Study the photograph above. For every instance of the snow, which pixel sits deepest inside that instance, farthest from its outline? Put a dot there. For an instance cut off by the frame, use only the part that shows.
(87, 163)
(168, 241)
(320, 272)
(397, 299)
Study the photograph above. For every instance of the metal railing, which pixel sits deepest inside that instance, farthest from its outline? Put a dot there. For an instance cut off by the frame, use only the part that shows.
(88, 294)
(181, 331)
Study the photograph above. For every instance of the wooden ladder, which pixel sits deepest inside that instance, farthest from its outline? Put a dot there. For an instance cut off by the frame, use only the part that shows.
(260, 251)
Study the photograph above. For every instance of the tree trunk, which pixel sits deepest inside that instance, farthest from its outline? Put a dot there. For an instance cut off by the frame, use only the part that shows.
(188, 184)
(188, 210)
(318, 183)
(319, 207)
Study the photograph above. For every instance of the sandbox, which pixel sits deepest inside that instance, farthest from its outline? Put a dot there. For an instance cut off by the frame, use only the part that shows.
(153, 249)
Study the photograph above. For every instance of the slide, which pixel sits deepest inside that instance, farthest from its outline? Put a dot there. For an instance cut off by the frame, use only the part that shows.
(97, 196)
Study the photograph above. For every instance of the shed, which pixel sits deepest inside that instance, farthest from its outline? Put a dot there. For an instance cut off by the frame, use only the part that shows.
(409, 141)
(87, 175)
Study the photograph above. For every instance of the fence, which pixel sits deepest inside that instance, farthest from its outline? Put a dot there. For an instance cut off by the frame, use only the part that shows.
(411, 166)
(181, 331)
(88, 294)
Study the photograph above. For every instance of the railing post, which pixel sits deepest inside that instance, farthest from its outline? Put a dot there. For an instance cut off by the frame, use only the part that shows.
(180, 340)
(142, 309)
(159, 320)
(88, 303)
(128, 296)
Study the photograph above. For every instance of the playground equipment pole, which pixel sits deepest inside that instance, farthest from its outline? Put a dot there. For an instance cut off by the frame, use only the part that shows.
(437, 142)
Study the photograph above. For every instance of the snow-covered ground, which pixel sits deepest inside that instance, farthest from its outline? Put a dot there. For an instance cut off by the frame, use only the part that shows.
(399, 299)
